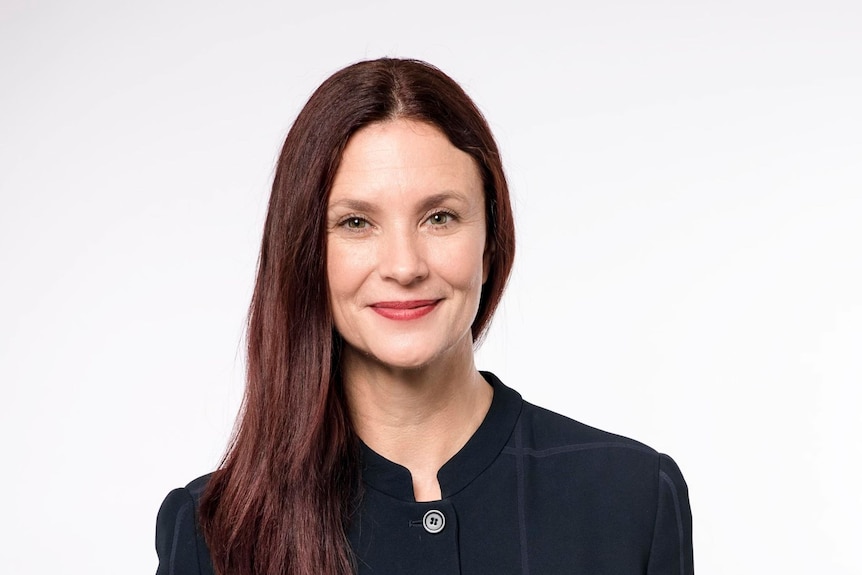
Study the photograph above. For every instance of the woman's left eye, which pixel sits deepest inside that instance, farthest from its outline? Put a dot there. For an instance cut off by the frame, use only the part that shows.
(440, 218)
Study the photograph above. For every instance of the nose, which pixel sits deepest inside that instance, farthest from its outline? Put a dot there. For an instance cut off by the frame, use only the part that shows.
(402, 257)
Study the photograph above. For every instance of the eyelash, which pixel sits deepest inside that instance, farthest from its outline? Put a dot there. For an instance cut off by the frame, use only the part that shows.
(345, 223)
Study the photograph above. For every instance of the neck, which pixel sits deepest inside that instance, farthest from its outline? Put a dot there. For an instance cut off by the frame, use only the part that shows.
(418, 418)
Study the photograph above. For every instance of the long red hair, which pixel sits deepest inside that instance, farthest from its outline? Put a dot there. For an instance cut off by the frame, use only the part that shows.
(280, 503)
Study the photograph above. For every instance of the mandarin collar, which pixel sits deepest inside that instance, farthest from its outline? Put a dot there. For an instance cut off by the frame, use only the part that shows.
(477, 454)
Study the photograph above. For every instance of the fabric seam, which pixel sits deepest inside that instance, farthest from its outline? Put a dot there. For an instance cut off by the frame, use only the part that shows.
(522, 520)
(517, 450)
(177, 528)
(665, 477)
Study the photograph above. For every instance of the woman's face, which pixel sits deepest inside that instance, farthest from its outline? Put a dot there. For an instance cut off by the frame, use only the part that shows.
(406, 255)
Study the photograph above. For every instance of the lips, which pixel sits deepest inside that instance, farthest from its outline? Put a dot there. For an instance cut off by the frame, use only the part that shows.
(405, 310)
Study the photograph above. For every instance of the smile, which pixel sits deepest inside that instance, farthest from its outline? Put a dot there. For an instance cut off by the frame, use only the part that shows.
(405, 310)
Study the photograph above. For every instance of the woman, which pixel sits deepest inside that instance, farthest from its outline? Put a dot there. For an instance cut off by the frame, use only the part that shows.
(368, 441)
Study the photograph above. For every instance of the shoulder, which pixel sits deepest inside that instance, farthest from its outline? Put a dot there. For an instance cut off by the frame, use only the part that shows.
(564, 443)
(628, 477)
(180, 545)
(543, 429)
(196, 487)
(181, 502)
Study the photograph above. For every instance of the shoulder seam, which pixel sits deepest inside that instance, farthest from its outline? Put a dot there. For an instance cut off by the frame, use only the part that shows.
(577, 447)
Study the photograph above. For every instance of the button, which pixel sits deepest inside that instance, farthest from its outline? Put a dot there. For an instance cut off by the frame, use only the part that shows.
(434, 521)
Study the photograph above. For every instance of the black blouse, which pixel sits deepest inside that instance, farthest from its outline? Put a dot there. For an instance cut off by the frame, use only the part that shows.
(530, 492)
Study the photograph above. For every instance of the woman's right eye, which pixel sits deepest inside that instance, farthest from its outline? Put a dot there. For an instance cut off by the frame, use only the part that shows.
(355, 223)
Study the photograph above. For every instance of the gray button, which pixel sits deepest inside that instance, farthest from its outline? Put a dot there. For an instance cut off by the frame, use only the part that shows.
(434, 521)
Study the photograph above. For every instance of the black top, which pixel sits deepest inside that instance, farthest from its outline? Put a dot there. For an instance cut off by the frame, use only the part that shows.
(530, 492)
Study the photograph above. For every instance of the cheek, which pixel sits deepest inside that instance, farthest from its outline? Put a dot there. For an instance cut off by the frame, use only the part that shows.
(338, 272)
(462, 266)
(347, 267)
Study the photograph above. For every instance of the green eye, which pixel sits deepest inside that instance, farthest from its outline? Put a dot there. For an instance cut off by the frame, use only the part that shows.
(355, 223)
(440, 219)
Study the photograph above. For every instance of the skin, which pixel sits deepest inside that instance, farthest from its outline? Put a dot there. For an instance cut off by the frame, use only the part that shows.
(406, 260)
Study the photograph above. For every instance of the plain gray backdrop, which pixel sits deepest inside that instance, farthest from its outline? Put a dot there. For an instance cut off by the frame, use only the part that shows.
(687, 178)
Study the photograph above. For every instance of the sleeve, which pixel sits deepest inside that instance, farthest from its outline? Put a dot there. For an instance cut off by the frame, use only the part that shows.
(671, 552)
(176, 535)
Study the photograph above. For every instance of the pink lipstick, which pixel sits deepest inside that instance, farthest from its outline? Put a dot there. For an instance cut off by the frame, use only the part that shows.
(405, 310)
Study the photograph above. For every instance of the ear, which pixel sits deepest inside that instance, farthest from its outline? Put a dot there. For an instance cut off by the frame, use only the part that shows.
(488, 260)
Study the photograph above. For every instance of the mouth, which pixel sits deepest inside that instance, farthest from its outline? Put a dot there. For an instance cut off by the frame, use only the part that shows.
(405, 310)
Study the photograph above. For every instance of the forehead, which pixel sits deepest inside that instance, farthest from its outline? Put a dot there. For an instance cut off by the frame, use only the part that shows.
(401, 156)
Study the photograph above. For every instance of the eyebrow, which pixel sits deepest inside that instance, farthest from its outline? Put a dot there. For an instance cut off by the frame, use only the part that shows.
(356, 205)
(426, 204)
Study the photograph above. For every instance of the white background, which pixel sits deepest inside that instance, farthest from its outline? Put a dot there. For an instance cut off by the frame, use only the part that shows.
(687, 179)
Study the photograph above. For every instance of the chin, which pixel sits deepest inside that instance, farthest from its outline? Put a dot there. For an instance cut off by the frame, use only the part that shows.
(405, 360)
(408, 351)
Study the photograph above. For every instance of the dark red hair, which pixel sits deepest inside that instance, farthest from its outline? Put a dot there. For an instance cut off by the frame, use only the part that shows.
(280, 502)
